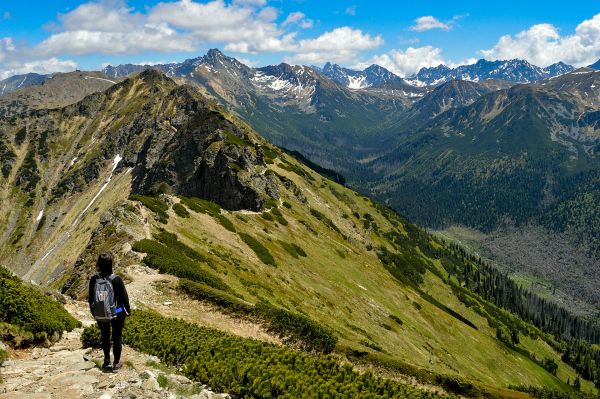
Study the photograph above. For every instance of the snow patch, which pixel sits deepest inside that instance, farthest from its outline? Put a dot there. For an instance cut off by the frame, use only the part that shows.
(93, 77)
(116, 161)
(357, 82)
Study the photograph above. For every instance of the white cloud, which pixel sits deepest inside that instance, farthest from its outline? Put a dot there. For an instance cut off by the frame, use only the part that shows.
(243, 29)
(40, 66)
(144, 38)
(250, 3)
(429, 22)
(407, 62)
(542, 45)
(299, 19)
(7, 47)
(350, 10)
(102, 17)
(340, 44)
(247, 61)
(110, 27)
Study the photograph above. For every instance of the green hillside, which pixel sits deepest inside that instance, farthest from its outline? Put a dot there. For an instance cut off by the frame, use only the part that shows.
(159, 175)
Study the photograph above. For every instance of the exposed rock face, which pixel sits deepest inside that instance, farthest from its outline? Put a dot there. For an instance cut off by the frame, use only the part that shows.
(174, 140)
(202, 154)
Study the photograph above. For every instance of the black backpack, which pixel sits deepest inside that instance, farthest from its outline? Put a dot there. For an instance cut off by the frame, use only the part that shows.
(104, 306)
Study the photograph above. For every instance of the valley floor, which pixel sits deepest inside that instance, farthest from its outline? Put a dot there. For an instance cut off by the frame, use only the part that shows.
(550, 264)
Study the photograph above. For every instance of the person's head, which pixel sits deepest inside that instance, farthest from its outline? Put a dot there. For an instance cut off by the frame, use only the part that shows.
(105, 263)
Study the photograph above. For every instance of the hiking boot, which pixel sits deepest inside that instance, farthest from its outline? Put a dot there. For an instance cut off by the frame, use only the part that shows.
(106, 366)
(116, 367)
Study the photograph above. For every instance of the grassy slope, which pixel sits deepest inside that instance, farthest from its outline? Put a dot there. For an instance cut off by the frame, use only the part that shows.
(341, 283)
(354, 294)
(77, 137)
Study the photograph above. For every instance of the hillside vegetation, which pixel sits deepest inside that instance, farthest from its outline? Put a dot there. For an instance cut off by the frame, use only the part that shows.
(195, 193)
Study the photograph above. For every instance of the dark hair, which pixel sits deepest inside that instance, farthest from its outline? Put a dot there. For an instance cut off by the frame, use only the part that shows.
(105, 263)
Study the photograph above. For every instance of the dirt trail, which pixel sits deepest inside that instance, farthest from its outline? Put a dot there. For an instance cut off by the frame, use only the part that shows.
(158, 292)
(145, 221)
(66, 371)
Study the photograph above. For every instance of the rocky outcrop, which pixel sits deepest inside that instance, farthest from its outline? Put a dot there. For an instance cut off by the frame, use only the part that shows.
(201, 153)
(175, 140)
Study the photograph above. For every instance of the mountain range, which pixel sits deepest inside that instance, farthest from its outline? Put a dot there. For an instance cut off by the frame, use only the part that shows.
(518, 71)
(486, 155)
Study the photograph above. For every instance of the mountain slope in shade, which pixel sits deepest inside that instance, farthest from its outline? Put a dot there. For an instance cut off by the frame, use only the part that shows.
(517, 71)
(453, 94)
(55, 90)
(17, 82)
(372, 77)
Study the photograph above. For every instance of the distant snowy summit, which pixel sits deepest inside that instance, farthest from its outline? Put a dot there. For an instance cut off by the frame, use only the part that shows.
(517, 71)
(372, 76)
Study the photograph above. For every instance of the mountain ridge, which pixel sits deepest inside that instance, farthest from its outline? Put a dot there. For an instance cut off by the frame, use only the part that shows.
(515, 70)
(138, 167)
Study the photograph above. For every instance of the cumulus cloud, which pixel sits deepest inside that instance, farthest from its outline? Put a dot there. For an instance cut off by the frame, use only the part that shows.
(40, 66)
(7, 47)
(299, 19)
(243, 29)
(111, 27)
(247, 62)
(543, 44)
(339, 45)
(146, 38)
(429, 22)
(407, 62)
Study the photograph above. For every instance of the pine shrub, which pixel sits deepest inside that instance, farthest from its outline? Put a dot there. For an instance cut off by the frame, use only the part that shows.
(181, 211)
(249, 368)
(27, 307)
(91, 337)
(171, 261)
(260, 250)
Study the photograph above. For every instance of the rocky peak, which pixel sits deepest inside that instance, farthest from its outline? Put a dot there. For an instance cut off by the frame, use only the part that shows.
(215, 54)
(557, 69)
(373, 76)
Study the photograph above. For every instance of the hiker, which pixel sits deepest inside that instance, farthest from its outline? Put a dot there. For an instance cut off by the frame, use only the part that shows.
(109, 304)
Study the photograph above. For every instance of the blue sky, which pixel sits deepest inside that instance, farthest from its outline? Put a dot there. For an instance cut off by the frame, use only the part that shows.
(403, 36)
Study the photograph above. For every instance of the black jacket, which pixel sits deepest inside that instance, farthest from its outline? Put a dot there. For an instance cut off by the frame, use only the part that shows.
(121, 297)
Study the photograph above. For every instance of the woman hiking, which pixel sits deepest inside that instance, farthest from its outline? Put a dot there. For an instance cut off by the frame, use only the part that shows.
(109, 304)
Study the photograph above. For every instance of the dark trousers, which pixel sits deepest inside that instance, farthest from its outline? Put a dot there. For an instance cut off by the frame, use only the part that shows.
(117, 335)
